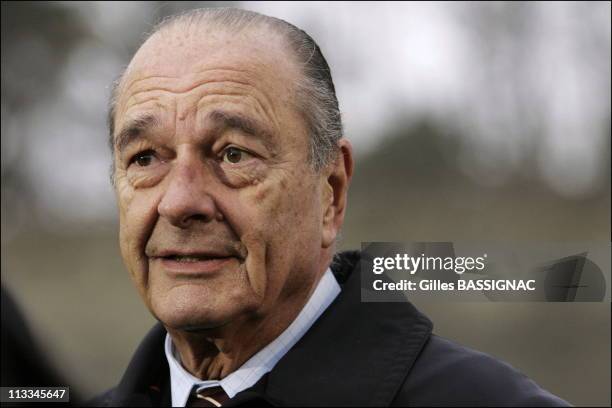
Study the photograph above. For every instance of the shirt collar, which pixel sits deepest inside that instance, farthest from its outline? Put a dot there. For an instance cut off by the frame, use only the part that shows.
(182, 382)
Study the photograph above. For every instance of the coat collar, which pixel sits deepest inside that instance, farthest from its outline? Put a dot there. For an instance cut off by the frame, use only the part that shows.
(355, 354)
(146, 381)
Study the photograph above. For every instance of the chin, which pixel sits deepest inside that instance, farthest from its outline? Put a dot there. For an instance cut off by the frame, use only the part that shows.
(179, 320)
(189, 311)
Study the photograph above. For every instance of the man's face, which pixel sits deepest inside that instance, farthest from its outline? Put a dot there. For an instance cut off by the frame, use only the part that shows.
(220, 213)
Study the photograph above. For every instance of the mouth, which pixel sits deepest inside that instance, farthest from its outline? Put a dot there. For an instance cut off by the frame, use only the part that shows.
(192, 264)
(191, 258)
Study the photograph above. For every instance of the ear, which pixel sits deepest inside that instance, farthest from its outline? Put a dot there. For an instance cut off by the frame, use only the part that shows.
(337, 178)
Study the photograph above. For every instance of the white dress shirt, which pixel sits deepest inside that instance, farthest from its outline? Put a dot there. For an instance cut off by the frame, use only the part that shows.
(182, 382)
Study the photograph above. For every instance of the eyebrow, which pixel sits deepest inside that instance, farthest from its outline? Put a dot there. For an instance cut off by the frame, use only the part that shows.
(134, 130)
(220, 121)
(223, 120)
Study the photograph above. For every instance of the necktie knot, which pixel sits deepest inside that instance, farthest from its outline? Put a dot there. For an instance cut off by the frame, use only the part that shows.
(207, 397)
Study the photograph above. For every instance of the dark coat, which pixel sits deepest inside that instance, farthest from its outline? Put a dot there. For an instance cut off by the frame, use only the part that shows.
(24, 364)
(360, 354)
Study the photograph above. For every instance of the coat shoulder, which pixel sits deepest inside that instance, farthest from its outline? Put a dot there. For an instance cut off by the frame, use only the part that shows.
(447, 373)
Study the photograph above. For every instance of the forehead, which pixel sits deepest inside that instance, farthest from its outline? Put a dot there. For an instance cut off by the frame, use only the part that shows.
(183, 72)
(177, 54)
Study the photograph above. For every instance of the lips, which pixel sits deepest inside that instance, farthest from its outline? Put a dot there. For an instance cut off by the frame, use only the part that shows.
(191, 263)
(192, 257)
(186, 258)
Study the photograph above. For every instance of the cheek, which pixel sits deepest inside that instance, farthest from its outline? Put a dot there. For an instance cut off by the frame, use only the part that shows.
(285, 207)
(136, 218)
(280, 227)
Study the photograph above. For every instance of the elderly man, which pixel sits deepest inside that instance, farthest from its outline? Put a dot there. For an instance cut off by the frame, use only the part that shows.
(231, 173)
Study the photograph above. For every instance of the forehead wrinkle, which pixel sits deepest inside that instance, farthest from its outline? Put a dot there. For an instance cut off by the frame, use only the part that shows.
(136, 80)
(134, 101)
(260, 109)
(262, 101)
(262, 98)
(143, 101)
(250, 78)
(187, 79)
(176, 91)
(172, 90)
(124, 89)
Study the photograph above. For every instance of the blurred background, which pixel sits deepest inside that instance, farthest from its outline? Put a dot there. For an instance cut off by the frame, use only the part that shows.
(471, 121)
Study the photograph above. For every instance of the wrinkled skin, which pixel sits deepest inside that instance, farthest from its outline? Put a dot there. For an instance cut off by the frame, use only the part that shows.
(188, 181)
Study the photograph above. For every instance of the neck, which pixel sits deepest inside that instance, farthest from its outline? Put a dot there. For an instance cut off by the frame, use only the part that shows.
(213, 354)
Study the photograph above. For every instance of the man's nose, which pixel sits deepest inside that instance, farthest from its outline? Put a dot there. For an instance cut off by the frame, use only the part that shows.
(187, 199)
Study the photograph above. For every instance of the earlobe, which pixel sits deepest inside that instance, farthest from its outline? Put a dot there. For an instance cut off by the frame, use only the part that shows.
(329, 230)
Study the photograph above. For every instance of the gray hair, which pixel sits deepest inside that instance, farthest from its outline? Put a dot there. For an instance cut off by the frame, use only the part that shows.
(315, 92)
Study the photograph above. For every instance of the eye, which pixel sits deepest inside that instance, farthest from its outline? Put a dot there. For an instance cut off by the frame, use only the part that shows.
(143, 159)
(234, 155)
